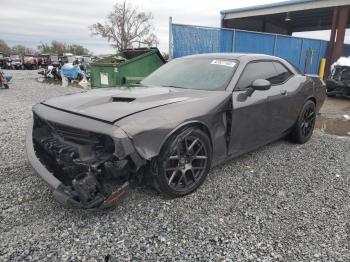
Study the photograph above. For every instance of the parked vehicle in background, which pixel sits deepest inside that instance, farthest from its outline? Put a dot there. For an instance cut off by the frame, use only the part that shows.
(44, 60)
(16, 62)
(187, 116)
(7, 63)
(55, 61)
(2, 60)
(83, 62)
(87, 59)
(78, 59)
(67, 58)
(30, 62)
(339, 82)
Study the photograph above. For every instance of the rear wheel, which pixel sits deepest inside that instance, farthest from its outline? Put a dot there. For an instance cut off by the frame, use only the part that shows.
(184, 163)
(304, 127)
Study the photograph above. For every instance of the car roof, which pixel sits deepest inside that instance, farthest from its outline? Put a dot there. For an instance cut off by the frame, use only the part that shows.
(237, 56)
(244, 58)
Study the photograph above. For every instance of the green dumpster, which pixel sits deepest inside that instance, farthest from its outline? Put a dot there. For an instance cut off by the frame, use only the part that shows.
(127, 67)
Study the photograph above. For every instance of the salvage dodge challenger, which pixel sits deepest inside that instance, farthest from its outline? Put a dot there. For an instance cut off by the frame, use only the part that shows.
(169, 130)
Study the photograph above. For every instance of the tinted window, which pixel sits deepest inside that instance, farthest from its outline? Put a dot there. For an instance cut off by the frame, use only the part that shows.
(194, 73)
(283, 74)
(271, 71)
(256, 70)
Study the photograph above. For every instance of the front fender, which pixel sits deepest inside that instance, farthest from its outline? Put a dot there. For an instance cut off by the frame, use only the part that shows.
(187, 124)
(149, 130)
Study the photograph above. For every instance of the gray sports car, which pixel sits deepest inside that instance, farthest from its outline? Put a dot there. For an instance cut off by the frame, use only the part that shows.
(168, 131)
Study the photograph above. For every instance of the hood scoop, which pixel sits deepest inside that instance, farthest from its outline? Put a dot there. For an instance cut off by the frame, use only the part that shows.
(123, 99)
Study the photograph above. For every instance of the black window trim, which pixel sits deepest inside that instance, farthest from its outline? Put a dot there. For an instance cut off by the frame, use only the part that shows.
(291, 73)
(264, 60)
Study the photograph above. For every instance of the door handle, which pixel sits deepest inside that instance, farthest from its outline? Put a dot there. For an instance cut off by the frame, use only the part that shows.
(283, 92)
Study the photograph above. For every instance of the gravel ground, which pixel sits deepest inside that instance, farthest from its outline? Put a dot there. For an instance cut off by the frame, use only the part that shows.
(283, 202)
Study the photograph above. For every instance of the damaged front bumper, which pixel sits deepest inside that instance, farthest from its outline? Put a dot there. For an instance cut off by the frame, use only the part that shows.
(91, 169)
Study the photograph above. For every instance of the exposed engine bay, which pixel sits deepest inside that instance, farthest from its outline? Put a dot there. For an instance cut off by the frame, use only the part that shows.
(83, 161)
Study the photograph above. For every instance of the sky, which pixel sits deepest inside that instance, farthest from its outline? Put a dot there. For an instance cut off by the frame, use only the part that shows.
(29, 22)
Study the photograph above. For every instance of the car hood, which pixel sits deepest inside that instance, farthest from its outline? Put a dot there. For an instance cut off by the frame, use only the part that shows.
(113, 104)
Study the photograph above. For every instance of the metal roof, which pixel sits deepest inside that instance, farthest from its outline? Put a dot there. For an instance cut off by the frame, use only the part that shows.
(264, 6)
(304, 15)
(281, 7)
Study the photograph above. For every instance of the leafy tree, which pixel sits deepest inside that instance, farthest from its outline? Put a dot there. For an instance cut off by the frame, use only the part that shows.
(59, 48)
(44, 48)
(77, 50)
(19, 49)
(125, 27)
(4, 48)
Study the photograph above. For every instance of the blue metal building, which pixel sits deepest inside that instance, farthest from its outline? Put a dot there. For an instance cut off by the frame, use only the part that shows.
(267, 29)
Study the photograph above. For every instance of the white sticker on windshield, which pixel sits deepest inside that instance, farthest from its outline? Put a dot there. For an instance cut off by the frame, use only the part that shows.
(223, 63)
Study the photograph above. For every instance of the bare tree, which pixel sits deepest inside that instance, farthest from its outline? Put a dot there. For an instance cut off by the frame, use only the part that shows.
(125, 27)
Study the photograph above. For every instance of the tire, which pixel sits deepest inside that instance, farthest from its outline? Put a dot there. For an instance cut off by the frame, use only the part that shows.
(183, 163)
(6, 86)
(303, 129)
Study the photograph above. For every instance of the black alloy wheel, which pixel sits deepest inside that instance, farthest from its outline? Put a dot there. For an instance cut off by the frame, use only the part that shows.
(184, 163)
(308, 121)
(304, 127)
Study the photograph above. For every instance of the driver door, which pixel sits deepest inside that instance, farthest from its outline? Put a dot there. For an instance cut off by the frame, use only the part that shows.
(259, 118)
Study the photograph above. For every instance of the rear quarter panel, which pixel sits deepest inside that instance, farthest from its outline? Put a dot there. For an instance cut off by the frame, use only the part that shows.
(302, 88)
(319, 90)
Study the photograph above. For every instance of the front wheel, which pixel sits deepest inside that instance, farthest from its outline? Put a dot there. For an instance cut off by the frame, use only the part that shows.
(305, 124)
(184, 162)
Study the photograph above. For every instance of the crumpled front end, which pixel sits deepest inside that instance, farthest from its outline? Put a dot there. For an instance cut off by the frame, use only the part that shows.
(85, 168)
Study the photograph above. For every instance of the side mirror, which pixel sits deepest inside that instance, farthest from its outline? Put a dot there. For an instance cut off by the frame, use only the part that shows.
(261, 84)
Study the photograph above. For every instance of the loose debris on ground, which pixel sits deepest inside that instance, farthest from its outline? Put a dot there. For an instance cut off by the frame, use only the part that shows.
(283, 202)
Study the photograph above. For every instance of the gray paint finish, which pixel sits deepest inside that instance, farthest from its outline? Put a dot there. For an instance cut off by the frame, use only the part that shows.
(156, 112)
(147, 116)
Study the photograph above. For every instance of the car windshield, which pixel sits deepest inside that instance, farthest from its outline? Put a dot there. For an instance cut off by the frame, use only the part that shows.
(194, 73)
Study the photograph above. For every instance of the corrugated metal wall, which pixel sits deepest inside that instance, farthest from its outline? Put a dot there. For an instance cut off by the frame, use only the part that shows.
(301, 52)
